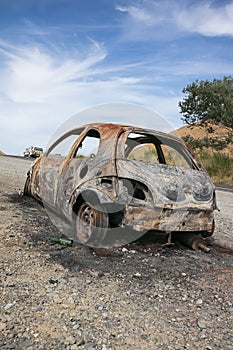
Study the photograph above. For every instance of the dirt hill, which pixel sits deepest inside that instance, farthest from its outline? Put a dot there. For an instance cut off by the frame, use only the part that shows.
(214, 138)
(2, 154)
(213, 146)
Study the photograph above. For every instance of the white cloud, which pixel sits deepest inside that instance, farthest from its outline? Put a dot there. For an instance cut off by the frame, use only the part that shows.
(41, 88)
(34, 75)
(171, 19)
(207, 20)
(138, 14)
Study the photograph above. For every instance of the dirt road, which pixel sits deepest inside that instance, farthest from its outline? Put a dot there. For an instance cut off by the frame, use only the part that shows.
(144, 296)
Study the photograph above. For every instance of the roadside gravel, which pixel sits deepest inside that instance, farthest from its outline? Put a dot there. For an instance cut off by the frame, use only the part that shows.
(141, 296)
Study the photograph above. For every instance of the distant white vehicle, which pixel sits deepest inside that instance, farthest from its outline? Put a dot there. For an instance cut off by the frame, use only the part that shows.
(33, 152)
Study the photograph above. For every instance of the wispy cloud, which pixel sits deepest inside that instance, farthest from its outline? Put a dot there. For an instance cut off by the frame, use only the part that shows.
(40, 88)
(138, 13)
(32, 74)
(177, 18)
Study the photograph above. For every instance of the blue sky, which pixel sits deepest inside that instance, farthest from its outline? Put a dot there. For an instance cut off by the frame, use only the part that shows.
(59, 57)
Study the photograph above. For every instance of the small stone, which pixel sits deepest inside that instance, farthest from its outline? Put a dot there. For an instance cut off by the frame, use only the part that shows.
(76, 326)
(144, 336)
(203, 336)
(9, 306)
(104, 347)
(70, 340)
(36, 308)
(9, 272)
(201, 323)
(90, 345)
(3, 318)
(10, 284)
(110, 324)
(2, 326)
(80, 342)
(100, 274)
(52, 295)
(124, 250)
(137, 274)
(75, 347)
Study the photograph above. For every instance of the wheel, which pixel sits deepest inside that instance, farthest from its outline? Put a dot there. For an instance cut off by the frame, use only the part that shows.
(27, 191)
(91, 224)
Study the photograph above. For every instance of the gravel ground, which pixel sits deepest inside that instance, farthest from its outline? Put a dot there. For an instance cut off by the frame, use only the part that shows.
(141, 296)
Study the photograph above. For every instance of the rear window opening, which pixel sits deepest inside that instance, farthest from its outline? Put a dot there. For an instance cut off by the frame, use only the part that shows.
(150, 149)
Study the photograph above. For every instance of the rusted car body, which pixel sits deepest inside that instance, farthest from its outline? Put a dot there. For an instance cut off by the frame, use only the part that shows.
(101, 176)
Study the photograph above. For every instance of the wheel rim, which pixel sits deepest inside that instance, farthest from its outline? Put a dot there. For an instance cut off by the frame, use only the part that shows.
(86, 222)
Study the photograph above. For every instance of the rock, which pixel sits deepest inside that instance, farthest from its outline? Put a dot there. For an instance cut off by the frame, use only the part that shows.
(201, 323)
(2, 326)
(80, 341)
(9, 306)
(137, 274)
(10, 284)
(36, 308)
(70, 340)
(90, 345)
(75, 347)
(124, 250)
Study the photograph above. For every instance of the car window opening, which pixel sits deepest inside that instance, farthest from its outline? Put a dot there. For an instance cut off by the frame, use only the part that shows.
(148, 148)
(89, 146)
(62, 146)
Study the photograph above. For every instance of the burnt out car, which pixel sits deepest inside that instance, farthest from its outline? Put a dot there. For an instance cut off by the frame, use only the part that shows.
(98, 177)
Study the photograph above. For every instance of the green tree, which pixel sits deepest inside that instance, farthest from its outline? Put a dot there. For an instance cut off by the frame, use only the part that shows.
(208, 101)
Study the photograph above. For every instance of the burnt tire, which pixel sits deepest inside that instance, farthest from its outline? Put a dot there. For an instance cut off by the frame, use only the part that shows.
(27, 190)
(91, 224)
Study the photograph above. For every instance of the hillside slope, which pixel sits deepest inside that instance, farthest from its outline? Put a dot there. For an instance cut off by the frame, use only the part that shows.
(214, 138)
(213, 146)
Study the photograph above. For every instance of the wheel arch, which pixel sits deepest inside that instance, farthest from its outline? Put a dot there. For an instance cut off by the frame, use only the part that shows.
(90, 196)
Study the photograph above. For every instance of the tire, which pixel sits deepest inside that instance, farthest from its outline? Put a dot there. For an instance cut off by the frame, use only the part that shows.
(26, 190)
(91, 225)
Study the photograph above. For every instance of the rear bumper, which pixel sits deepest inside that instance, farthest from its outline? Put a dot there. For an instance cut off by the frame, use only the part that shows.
(169, 220)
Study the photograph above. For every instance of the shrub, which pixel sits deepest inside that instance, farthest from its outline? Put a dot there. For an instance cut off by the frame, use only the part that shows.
(219, 166)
